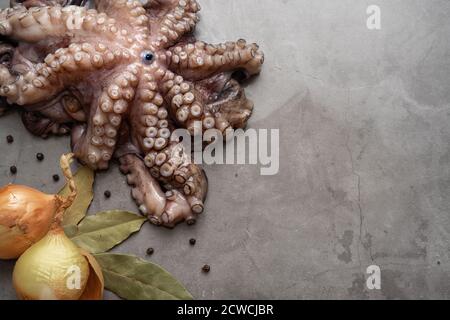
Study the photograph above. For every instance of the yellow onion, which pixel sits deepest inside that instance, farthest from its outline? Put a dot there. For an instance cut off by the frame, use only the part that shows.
(54, 268)
(26, 215)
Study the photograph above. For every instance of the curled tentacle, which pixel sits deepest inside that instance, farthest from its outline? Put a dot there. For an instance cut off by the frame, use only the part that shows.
(146, 191)
(166, 209)
(42, 126)
(177, 210)
(226, 97)
(55, 115)
(196, 189)
(174, 169)
(65, 107)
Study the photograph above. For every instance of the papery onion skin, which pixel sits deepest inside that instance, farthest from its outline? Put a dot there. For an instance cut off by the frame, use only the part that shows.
(96, 282)
(42, 272)
(26, 216)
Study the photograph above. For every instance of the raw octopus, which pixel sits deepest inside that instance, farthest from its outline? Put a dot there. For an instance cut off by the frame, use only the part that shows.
(120, 78)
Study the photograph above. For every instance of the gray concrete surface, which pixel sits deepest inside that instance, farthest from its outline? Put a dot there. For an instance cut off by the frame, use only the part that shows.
(364, 177)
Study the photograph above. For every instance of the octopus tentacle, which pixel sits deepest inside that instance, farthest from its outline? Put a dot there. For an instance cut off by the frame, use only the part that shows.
(33, 87)
(160, 8)
(59, 69)
(42, 126)
(150, 117)
(174, 168)
(166, 160)
(187, 105)
(98, 142)
(177, 210)
(162, 209)
(146, 191)
(37, 24)
(197, 61)
(180, 19)
(54, 115)
(225, 96)
(129, 10)
(36, 3)
(196, 189)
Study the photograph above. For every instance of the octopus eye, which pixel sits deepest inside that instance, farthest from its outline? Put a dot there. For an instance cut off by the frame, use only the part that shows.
(148, 57)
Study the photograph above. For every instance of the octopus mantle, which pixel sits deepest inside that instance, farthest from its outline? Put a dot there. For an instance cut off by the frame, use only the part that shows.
(121, 77)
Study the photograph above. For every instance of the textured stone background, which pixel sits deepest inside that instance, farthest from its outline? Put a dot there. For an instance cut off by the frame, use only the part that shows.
(364, 178)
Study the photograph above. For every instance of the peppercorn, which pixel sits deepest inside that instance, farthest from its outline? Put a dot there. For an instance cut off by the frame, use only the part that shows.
(55, 177)
(192, 241)
(150, 251)
(206, 268)
(40, 156)
(13, 169)
(107, 194)
(10, 139)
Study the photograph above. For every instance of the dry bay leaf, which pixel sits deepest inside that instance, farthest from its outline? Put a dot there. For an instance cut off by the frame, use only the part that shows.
(104, 230)
(84, 180)
(70, 230)
(132, 278)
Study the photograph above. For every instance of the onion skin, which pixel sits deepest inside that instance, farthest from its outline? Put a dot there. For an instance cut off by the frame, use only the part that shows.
(26, 216)
(53, 268)
(96, 282)
(42, 272)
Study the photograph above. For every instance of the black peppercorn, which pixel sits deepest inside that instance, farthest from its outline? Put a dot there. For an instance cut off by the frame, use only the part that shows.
(150, 251)
(192, 242)
(40, 156)
(55, 177)
(13, 169)
(206, 268)
(10, 139)
(107, 194)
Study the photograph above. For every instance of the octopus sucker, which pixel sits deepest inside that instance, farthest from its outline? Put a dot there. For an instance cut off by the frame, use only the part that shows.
(121, 77)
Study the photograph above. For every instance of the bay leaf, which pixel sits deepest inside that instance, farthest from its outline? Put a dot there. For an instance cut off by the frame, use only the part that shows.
(132, 278)
(104, 230)
(70, 230)
(84, 180)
